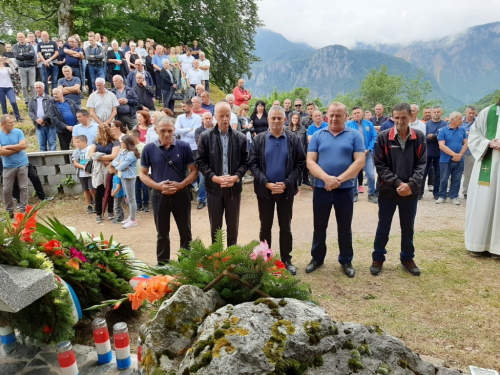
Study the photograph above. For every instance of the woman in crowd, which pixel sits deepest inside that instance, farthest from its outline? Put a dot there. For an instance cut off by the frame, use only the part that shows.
(15, 78)
(7, 89)
(118, 129)
(151, 135)
(126, 163)
(175, 65)
(149, 63)
(131, 56)
(141, 50)
(178, 50)
(259, 117)
(106, 149)
(300, 131)
(245, 124)
(116, 62)
(144, 120)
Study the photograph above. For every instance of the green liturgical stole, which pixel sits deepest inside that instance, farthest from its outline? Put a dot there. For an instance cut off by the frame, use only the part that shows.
(491, 131)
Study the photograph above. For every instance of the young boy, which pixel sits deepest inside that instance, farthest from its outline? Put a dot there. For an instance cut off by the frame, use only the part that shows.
(80, 159)
(119, 194)
(141, 199)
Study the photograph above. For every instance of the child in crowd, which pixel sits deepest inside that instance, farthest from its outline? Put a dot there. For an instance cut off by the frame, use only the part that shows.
(126, 163)
(119, 196)
(141, 189)
(80, 159)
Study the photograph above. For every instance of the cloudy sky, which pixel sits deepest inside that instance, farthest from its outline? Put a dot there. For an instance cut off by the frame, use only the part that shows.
(324, 22)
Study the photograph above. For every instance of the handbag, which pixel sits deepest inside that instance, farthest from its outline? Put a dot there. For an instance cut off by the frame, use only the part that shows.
(178, 95)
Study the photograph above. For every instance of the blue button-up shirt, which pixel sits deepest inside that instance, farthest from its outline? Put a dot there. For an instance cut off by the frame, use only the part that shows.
(276, 154)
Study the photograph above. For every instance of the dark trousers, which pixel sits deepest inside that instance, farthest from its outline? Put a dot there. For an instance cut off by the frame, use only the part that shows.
(226, 205)
(455, 170)
(166, 97)
(52, 71)
(65, 138)
(179, 205)
(35, 180)
(434, 161)
(407, 211)
(284, 208)
(158, 83)
(141, 193)
(341, 200)
(99, 196)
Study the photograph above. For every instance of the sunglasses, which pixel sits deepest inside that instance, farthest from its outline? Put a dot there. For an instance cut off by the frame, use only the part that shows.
(298, 105)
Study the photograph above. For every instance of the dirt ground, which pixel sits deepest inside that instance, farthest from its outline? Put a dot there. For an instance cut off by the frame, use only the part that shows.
(143, 237)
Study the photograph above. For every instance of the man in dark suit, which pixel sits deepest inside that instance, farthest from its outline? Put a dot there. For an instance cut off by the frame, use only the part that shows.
(168, 84)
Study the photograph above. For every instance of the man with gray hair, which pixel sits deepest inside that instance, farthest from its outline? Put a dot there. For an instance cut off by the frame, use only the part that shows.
(453, 145)
(468, 120)
(415, 123)
(276, 160)
(145, 92)
(222, 158)
(15, 163)
(38, 111)
(230, 101)
(26, 58)
(127, 98)
(62, 113)
(70, 86)
(74, 56)
(205, 68)
(102, 103)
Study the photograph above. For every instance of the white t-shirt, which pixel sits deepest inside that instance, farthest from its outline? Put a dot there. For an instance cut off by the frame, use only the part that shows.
(206, 73)
(186, 62)
(195, 76)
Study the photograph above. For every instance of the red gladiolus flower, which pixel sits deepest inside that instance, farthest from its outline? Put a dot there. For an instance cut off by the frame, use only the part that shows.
(51, 245)
(47, 329)
(59, 253)
(279, 264)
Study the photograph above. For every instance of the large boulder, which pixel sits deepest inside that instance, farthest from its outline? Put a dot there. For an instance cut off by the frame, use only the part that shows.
(272, 336)
(174, 328)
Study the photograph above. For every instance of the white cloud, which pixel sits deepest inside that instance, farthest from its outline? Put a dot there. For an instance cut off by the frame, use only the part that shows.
(325, 22)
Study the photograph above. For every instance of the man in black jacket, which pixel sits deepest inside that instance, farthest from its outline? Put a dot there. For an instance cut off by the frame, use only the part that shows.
(276, 160)
(222, 159)
(38, 111)
(145, 93)
(127, 98)
(25, 56)
(167, 84)
(62, 113)
(400, 155)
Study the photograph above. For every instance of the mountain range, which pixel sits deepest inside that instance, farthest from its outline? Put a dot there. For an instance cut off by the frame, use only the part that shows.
(461, 68)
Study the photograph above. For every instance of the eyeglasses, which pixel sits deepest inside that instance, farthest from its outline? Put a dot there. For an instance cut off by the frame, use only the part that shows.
(298, 105)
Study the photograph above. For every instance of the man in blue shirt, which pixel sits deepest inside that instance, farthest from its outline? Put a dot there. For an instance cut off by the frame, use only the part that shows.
(468, 120)
(276, 160)
(369, 136)
(316, 125)
(335, 156)
(157, 62)
(74, 57)
(453, 144)
(169, 159)
(15, 163)
(432, 127)
(205, 102)
(70, 86)
(85, 126)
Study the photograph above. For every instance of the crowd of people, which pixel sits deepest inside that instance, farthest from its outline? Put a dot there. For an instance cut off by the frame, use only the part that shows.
(127, 151)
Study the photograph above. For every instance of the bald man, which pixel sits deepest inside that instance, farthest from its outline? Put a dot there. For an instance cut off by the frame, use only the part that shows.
(222, 159)
(26, 61)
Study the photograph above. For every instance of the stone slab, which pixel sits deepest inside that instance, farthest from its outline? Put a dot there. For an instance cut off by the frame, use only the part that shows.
(20, 286)
(46, 170)
(51, 190)
(56, 159)
(49, 153)
(67, 169)
(55, 179)
(74, 190)
(35, 160)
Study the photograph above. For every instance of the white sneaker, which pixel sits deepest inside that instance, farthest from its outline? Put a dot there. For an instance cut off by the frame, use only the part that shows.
(455, 201)
(440, 200)
(129, 224)
(126, 220)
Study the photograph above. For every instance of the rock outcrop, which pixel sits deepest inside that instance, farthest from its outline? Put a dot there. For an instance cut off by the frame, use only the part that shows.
(269, 336)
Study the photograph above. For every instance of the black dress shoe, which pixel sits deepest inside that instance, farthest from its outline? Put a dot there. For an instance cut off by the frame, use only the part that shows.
(348, 270)
(290, 267)
(201, 205)
(313, 266)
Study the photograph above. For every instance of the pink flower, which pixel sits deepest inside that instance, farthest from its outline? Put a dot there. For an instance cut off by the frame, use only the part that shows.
(263, 251)
(77, 254)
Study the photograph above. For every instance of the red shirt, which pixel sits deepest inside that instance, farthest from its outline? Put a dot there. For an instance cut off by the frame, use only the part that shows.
(202, 111)
(238, 96)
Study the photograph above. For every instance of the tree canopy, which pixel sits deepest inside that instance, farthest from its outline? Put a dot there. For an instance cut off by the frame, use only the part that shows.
(225, 29)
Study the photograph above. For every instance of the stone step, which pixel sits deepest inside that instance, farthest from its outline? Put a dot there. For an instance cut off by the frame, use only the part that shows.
(18, 359)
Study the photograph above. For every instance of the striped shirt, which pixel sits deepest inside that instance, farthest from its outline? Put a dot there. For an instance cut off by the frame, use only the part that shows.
(103, 105)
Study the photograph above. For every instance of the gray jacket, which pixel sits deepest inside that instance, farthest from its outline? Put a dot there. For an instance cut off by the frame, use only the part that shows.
(97, 60)
(47, 101)
(25, 55)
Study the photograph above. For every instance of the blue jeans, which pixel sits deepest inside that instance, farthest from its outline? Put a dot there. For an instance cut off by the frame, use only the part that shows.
(202, 191)
(95, 72)
(76, 73)
(8, 92)
(341, 200)
(370, 175)
(407, 211)
(455, 169)
(52, 71)
(46, 134)
(207, 85)
(432, 160)
(141, 199)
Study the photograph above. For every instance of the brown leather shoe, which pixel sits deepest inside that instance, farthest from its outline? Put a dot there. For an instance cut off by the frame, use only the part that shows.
(411, 267)
(376, 267)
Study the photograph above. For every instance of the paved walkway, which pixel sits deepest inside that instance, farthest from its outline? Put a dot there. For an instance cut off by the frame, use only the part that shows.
(17, 359)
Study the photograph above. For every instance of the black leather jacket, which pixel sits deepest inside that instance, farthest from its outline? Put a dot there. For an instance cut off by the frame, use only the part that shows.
(56, 117)
(294, 164)
(32, 109)
(209, 158)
